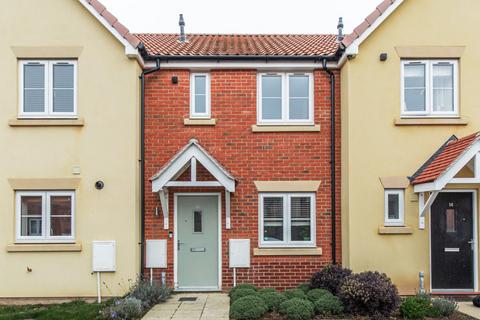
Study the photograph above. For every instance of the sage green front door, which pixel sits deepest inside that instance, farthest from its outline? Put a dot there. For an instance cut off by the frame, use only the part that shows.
(197, 242)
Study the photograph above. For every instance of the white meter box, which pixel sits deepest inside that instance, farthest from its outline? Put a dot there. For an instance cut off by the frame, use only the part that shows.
(239, 253)
(104, 256)
(156, 254)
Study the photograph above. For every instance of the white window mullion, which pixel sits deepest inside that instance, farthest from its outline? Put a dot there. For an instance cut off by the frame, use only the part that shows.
(46, 214)
(285, 100)
(286, 218)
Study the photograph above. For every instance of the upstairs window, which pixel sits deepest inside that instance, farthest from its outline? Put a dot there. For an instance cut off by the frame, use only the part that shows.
(285, 98)
(48, 89)
(200, 95)
(430, 88)
(394, 208)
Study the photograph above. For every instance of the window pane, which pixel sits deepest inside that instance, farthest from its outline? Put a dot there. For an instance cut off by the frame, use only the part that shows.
(299, 86)
(415, 87)
(300, 212)
(34, 88)
(273, 219)
(451, 223)
(393, 207)
(443, 76)
(443, 88)
(272, 86)
(61, 216)
(443, 100)
(200, 103)
(299, 109)
(200, 85)
(31, 216)
(272, 108)
(197, 222)
(63, 88)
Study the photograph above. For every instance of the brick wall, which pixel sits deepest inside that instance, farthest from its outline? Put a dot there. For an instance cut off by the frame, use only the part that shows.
(248, 156)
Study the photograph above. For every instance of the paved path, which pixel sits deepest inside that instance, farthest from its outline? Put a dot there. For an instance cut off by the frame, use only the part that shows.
(469, 309)
(208, 306)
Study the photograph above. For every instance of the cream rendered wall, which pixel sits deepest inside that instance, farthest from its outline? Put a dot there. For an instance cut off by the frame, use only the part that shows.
(106, 148)
(374, 147)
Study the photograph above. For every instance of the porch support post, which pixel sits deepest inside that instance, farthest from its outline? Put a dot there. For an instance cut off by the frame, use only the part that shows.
(163, 193)
(421, 204)
(227, 210)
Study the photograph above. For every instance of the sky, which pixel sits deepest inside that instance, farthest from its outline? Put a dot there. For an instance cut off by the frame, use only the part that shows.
(241, 16)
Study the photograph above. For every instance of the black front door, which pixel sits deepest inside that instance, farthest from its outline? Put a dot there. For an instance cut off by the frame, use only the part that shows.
(452, 236)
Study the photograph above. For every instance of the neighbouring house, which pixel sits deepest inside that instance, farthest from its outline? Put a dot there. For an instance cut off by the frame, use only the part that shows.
(69, 174)
(410, 164)
(238, 158)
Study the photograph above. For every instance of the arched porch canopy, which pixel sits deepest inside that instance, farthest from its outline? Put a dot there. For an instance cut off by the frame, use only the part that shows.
(186, 158)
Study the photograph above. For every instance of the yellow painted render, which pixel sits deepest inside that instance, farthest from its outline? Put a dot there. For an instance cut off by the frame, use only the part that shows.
(373, 146)
(104, 148)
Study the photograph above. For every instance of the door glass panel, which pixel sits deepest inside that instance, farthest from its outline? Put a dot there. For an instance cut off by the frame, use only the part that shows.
(197, 221)
(451, 223)
(273, 219)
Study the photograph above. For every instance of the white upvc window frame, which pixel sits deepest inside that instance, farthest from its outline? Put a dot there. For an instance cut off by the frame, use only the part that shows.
(429, 112)
(287, 243)
(208, 113)
(400, 222)
(285, 99)
(49, 90)
(46, 217)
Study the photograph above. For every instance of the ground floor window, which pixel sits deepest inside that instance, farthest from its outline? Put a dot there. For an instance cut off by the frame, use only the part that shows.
(287, 219)
(45, 216)
(394, 207)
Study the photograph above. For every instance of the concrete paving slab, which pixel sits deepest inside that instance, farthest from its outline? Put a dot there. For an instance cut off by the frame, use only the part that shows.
(469, 309)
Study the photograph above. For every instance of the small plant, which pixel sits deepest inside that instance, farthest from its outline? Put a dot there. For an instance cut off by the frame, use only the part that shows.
(126, 309)
(315, 294)
(272, 299)
(240, 293)
(295, 293)
(297, 309)
(242, 286)
(248, 308)
(417, 307)
(328, 304)
(369, 293)
(264, 290)
(305, 287)
(476, 301)
(330, 278)
(149, 294)
(444, 307)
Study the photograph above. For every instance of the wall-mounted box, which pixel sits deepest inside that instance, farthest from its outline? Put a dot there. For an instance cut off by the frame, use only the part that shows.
(239, 253)
(104, 256)
(156, 254)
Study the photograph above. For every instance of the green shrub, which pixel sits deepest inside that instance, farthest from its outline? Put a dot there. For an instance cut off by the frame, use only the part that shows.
(149, 294)
(272, 299)
(264, 290)
(240, 293)
(129, 308)
(328, 304)
(315, 294)
(305, 287)
(417, 307)
(295, 293)
(330, 278)
(369, 293)
(242, 286)
(297, 309)
(248, 308)
(444, 307)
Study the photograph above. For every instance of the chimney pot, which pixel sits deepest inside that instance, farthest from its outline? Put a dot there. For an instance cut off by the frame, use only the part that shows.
(181, 23)
(340, 30)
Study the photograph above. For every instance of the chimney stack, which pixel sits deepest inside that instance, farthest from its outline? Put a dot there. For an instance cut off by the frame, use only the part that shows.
(181, 23)
(340, 30)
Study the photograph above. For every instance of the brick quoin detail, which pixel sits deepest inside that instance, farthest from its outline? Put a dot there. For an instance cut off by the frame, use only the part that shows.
(249, 157)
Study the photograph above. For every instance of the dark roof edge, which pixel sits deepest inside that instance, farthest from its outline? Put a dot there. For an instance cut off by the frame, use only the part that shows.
(333, 57)
(432, 158)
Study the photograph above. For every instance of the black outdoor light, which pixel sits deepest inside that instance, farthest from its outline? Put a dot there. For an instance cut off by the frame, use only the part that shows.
(383, 56)
(174, 79)
(99, 185)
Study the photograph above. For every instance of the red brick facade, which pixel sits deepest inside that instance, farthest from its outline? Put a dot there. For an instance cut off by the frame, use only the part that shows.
(248, 156)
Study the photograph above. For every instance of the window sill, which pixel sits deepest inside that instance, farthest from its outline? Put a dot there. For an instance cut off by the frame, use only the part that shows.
(287, 251)
(45, 247)
(430, 121)
(199, 122)
(395, 230)
(46, 123)
(285, 128)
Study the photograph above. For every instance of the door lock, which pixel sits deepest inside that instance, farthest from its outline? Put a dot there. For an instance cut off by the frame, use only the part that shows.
(178, 244)
(472, 244)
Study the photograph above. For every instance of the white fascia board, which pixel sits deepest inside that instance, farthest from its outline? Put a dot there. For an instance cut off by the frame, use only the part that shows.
(130, 51)
(208, 65)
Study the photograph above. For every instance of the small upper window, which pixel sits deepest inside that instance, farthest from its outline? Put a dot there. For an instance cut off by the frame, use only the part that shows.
(430, 88)
(48, 89)
(285, 98)
(200, 95)
(394, 206)
(45, 216)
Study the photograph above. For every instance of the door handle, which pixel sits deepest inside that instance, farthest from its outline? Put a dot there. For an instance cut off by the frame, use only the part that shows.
(472, 244)
(178, 244)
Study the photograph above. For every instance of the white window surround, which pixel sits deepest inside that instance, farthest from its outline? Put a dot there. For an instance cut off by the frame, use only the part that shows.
(400, 222)
(429, 112)
(193, 113)
(287, 221)
(49, 90)
(45, 217)
(285, 99)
